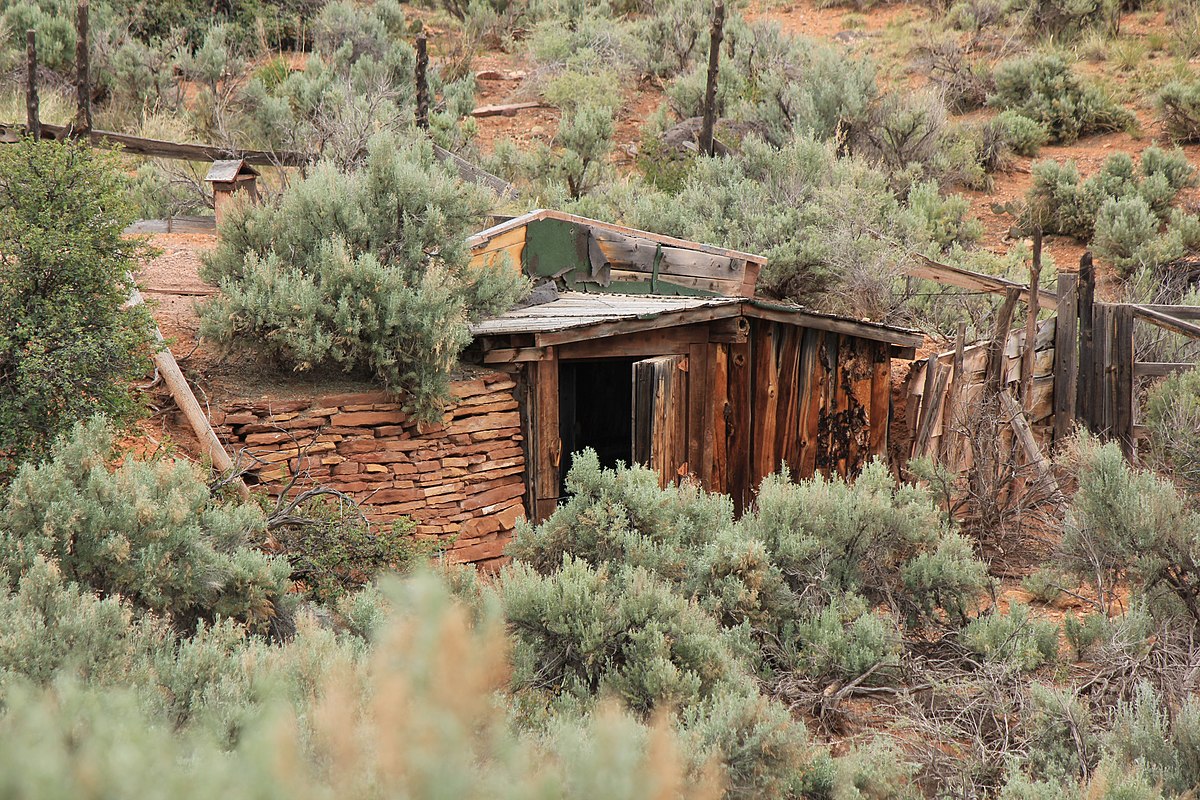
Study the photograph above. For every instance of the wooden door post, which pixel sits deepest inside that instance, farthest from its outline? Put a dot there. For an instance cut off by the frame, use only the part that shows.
(710, 89)
(33, 125)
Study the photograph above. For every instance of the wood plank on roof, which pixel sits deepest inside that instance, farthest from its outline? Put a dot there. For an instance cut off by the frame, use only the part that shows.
(849, 327)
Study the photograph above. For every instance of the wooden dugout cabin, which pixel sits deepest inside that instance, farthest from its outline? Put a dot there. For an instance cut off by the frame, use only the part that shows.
(653, 350)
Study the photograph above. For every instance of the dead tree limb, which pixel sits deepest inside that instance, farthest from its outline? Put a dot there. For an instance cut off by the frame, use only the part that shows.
(182, 393)
(33, 124)
(422, 81)
(710, 89)
(83, 81)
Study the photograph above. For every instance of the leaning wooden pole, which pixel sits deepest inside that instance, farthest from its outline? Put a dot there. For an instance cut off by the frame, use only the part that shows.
(710, 89)
(177, 384)
(83, 81)
(421, 74)
(33, 124)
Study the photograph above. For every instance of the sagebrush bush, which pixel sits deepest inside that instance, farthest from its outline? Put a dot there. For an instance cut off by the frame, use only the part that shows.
(1046, 89)
(1173, 421)
(1013, 638)
(1064, 203)
(70, 347)
(1023, 135)
(1178, 105)
(1162, 743)
(150, 532)
(583, 631)
(1129, 526)
(886, 542)
(1127, 236)
(364, 270)
(1068, 19)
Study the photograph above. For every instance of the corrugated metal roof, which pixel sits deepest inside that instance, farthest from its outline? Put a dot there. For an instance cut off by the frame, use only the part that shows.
(580, 310)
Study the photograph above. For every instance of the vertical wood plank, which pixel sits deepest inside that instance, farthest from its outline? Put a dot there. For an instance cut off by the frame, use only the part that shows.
(1123, 380)
(722, 415)
(812, 384)
(697, 396)
(765, 388)
(1035, 275)
(787, 428)
(1066, 356)
(997, 363)
(548, 443)
(740, 417)
(1086, 313)
(1102, 388)
(881, 400)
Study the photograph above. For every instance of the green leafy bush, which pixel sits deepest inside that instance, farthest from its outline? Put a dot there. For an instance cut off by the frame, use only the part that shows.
(150, 532)
(1046, 89)
(1127, 236)
(69, 347)
(1023, 135)
(1013, 638)
(363, 271)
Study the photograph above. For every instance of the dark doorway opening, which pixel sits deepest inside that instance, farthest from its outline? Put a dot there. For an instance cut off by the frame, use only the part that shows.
(595, 407)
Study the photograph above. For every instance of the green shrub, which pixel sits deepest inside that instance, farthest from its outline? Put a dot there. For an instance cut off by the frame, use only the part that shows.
(69, 346)
(1069, 19)
(1062, 740)
(1179, 108)
(582, 631)
(886, 542)
(1023, 135)
(362, 271)
(1173, 421)
(945, 219)
(1163, 743)
(1046, 89)
(148, 531)
(332, 551)
(843, 641)
(1128, 526)
(1013, 638)
(1127, 236)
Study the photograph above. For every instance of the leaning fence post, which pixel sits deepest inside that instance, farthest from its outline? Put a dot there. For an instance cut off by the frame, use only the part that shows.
(33, 125)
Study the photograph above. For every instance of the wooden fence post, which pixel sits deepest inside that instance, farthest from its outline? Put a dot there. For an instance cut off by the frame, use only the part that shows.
(33, 125)
(1066, 355)
(421, 74)
(710, 89)
(997, 363)
(1027, 356)
(83, 82)
(1123, 380)
(1086, 311)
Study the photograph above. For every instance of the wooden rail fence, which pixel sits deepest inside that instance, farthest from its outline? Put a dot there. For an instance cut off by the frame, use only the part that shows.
(1080, 369)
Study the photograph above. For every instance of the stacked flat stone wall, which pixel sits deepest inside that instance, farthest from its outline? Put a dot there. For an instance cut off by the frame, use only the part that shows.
(462, 480)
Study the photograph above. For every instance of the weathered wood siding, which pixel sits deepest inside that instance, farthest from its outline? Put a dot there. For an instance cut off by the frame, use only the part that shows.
(813, 401)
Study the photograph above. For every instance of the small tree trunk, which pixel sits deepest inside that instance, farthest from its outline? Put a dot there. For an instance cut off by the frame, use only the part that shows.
(1027, 357)
(422, 81)
(83, 82)
(33, 125)
(710, 90)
